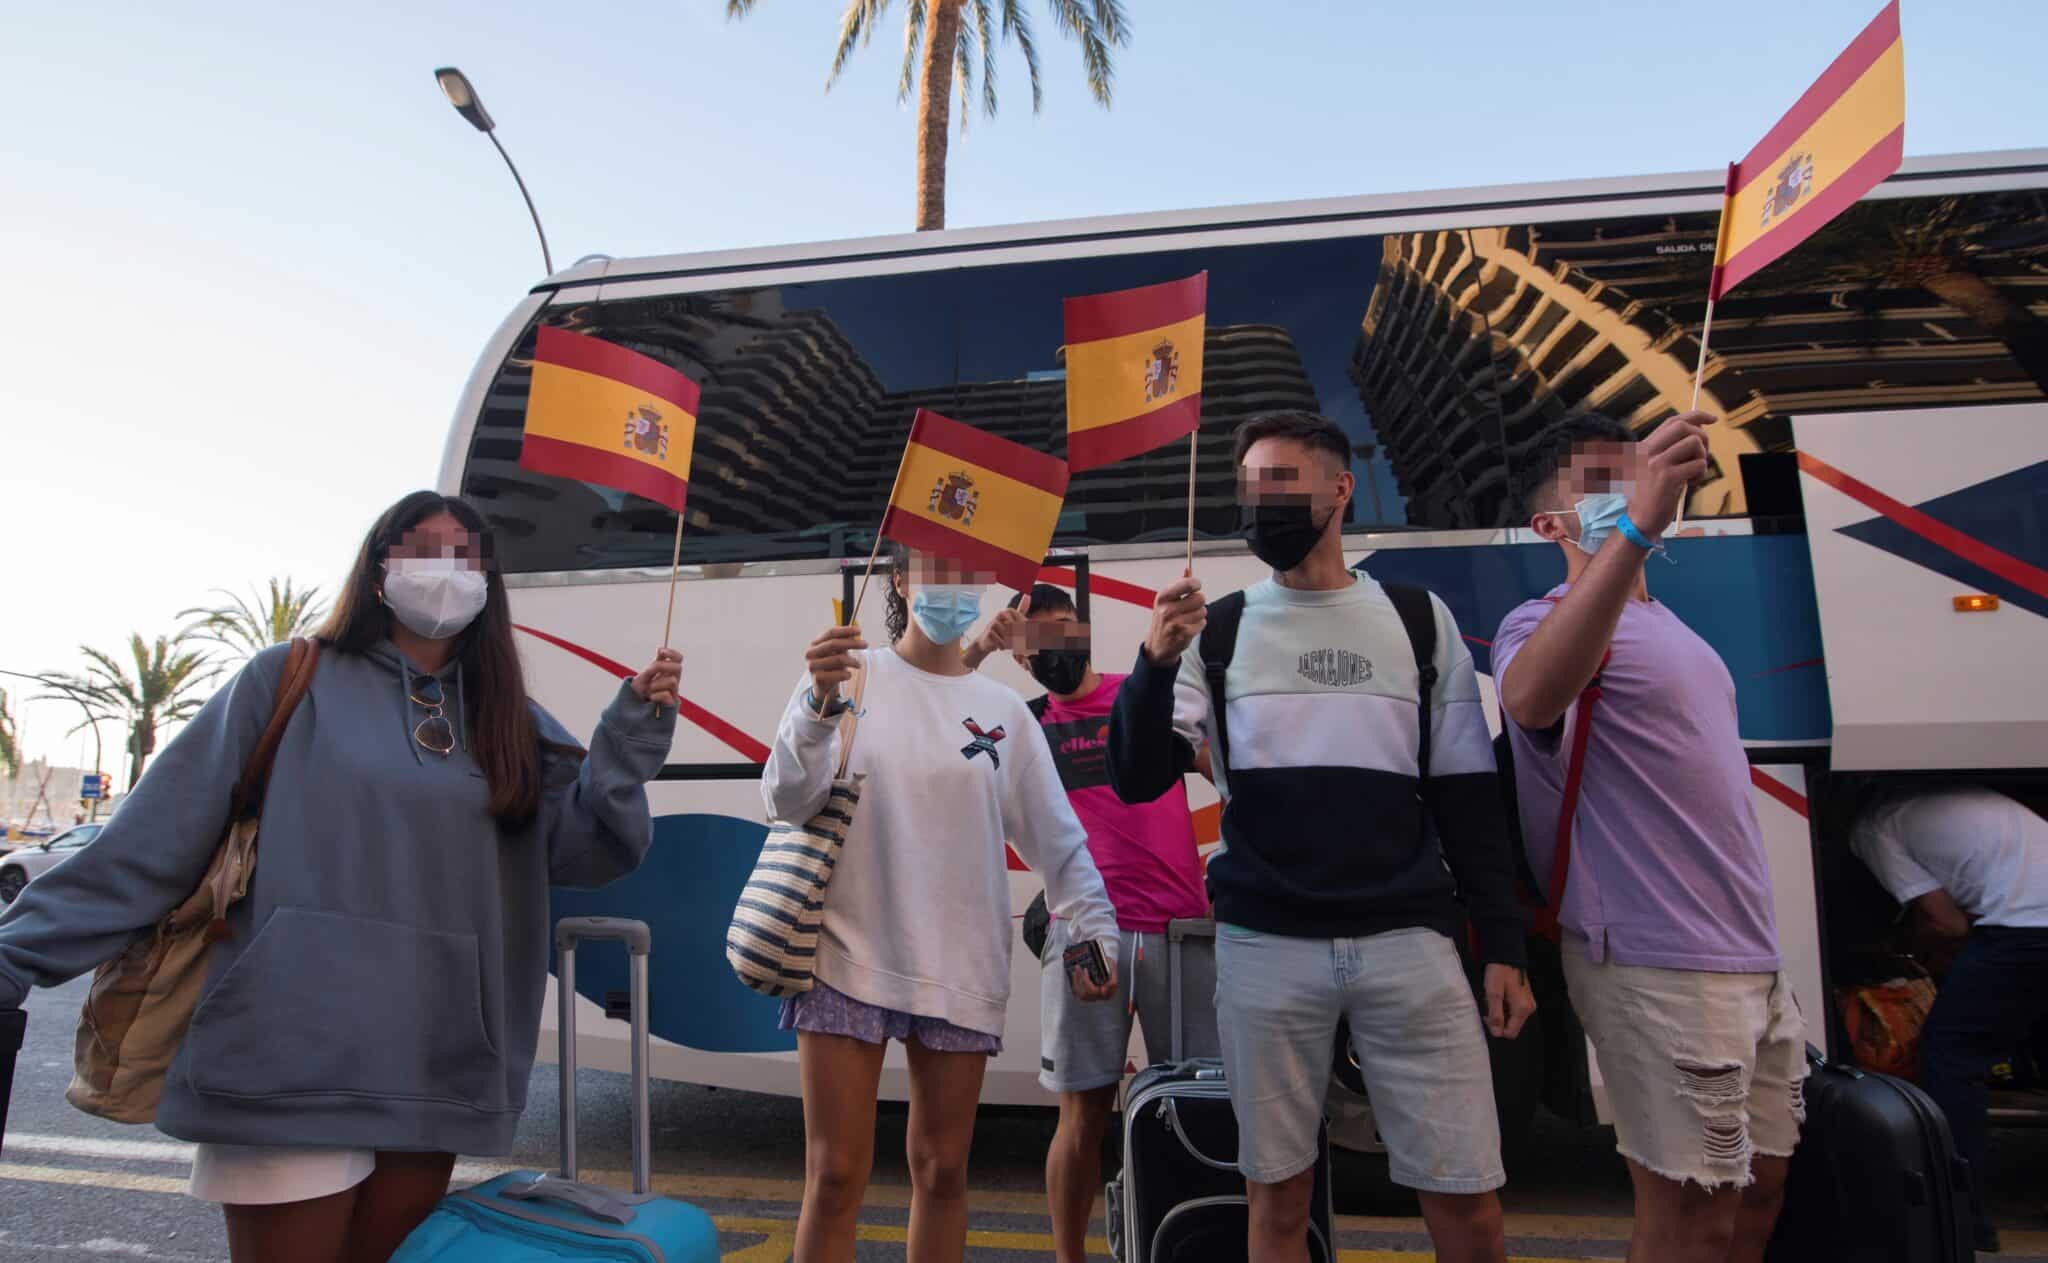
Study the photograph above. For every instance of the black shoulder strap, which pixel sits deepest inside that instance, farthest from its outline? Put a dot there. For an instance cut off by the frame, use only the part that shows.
(1038, 705)
(1418, 617)
(1218, 646)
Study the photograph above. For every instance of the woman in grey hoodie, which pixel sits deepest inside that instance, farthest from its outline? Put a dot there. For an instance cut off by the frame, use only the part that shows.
(373, 1009)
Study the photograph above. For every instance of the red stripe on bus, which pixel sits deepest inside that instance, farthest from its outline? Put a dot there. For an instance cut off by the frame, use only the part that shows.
(1941, 534)
(1101, 585)
(731, 735)
(1779, 790)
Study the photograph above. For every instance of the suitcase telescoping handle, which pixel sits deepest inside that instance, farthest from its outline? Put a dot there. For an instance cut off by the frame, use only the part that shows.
(638, 940)
(1176, 931)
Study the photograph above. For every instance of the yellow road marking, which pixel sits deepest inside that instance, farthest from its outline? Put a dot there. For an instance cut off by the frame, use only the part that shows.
(94, 1179)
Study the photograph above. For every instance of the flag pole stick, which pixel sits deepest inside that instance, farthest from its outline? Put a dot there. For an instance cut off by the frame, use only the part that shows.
(675, 565)
(1191, 500)
(853, 616)
(1699, 372)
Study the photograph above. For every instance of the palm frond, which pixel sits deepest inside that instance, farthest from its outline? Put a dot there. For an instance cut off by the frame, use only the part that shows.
(856, 28)
(1110, 20)
(1017, 26)
(963, 71)
(1078, 20)
(913, 42)
(985, 37)
(738, 8)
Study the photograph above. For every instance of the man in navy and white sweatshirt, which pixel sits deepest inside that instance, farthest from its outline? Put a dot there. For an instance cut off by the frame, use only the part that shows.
(1333, 898)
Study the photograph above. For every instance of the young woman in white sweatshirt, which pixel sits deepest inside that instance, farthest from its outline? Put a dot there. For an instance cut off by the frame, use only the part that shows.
(918, 925)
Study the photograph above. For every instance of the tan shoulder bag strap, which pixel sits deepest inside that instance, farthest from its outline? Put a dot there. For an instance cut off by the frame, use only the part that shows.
(292, 684)
(849, 721)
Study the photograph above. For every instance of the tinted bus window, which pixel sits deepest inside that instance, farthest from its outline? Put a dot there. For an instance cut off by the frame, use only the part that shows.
(1442, 353)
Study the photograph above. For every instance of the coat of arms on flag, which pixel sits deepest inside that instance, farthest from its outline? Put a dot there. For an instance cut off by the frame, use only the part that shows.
(581, 387)
(950, 474)
(1134, 369)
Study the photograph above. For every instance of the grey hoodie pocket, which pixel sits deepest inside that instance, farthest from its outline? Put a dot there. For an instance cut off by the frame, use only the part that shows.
(320, 1004)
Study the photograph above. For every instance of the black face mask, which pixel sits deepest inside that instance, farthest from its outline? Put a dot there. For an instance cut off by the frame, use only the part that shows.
(1282, 535)
(1060, 670)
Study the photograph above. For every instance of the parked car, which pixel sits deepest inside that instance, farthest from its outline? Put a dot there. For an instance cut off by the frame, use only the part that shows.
(25, 864)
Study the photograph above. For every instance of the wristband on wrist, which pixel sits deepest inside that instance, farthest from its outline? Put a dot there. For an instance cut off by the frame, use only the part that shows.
(824, 710)
(1634, 535)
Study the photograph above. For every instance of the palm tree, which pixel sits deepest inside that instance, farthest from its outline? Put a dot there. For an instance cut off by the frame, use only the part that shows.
(161, 692)
(245, 628)
(942, 40)
(1950, 248)
(10, 748)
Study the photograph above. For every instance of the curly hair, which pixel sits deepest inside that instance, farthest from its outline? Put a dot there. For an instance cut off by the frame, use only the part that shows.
(896, 609)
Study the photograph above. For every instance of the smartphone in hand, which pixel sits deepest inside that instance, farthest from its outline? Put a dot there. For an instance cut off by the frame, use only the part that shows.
(1087, 959)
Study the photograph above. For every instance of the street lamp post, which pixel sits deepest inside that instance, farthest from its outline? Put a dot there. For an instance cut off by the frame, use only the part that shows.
(456, 86)
(92, 722)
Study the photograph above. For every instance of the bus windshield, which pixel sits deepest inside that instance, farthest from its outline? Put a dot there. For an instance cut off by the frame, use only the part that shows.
(1441, 351)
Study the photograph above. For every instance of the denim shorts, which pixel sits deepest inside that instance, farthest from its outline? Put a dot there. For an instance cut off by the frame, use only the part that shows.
(1416, 1029)
(1703, 1070)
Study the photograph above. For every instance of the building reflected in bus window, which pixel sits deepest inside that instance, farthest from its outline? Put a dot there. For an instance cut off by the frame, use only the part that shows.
(1441, 352)
(1476, 340)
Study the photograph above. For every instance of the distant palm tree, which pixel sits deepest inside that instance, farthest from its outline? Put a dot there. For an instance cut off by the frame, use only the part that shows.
(245, 629)
(942, 39)
(161, 692)
(10, 748)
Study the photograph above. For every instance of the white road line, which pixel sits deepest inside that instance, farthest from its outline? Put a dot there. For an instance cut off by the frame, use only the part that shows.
(93, 1147)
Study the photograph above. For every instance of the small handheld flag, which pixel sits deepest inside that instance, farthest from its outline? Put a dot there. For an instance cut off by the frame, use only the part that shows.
(1840, 141)
(600, 413)
(1134, 370)
(968, 496)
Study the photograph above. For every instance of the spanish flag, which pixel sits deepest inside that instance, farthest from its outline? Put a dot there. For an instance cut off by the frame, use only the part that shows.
(1840, 141)
(985, 502)
(1134, 369)
(599, 413)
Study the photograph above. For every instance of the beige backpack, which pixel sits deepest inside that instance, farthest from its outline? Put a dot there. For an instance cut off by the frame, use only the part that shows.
(142, 1000)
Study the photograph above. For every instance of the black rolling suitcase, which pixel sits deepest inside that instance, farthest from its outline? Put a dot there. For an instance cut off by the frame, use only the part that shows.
(1875, 1179)
(1179, 1198)
(13, 1022)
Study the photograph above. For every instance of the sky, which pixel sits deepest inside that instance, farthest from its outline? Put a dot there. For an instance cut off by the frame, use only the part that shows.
(253, 254)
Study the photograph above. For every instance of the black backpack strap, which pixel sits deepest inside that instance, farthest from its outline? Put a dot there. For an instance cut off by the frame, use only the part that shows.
(1037, 706)
(1218, 646)
(1418, 618)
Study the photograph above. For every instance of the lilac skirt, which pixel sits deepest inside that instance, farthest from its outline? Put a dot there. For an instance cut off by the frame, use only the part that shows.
(823, 1011)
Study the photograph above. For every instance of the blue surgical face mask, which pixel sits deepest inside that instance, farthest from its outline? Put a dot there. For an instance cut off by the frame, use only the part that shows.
(1597, 514)
(946, 610)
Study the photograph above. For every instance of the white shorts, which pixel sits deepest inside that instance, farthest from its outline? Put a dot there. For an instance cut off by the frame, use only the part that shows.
(268, 1175)
(1704, 1070)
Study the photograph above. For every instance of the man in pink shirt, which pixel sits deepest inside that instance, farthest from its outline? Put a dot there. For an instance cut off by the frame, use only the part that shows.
(1147, 857)
(1670, 948)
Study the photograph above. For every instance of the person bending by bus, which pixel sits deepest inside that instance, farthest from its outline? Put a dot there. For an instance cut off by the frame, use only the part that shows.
(1971, 866)
(1670, 947)
(1148, 860)
(915, 944)
(1332, 897)
(371, 1010)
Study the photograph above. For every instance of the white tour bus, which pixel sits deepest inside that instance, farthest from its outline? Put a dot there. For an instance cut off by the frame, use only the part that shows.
(1884, 453)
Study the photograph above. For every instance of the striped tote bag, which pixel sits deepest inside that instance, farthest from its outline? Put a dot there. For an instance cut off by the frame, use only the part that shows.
(773, 939)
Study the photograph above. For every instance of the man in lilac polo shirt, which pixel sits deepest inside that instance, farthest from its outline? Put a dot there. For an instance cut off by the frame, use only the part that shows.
(1670, 951)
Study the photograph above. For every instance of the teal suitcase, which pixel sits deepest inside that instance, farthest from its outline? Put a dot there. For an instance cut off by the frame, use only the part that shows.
(535, 1217)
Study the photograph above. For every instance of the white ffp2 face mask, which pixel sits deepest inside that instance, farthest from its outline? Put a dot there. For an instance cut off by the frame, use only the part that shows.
(435, 597)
